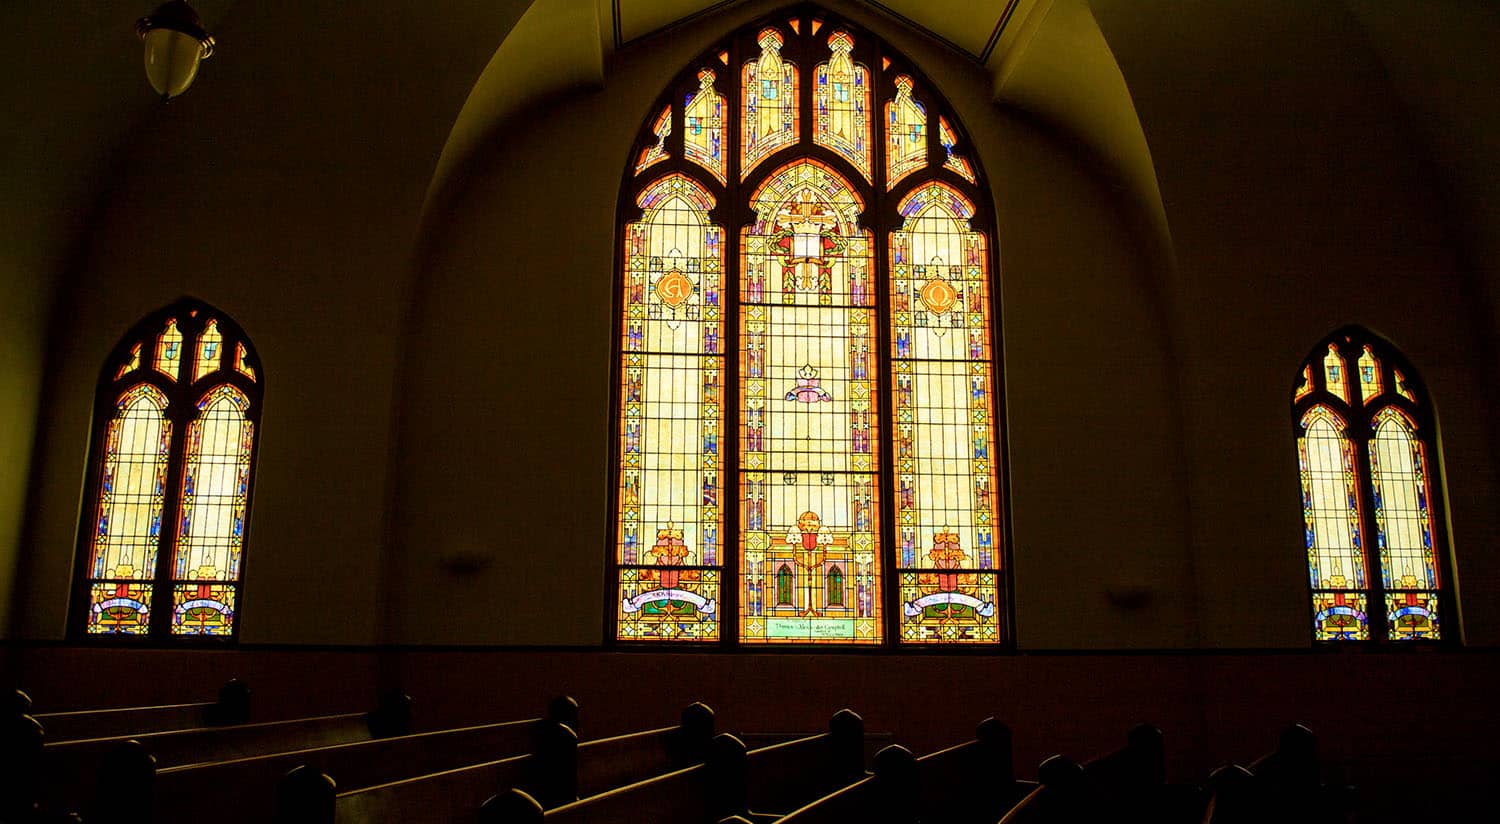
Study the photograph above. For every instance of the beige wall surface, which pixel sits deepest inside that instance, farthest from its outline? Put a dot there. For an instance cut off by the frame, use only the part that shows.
(435, 464)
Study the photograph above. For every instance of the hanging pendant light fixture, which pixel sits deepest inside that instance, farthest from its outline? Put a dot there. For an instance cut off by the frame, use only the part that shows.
(175, 44)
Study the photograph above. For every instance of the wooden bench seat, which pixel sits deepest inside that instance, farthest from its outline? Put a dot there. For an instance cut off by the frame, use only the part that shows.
(231, 707)
(552, 773)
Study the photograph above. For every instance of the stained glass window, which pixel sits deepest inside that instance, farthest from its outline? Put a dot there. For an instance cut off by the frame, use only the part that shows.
(1408, 563)
(671, 472)
(842, 104)
(809, 442)
(1366, 472)
(162, 557)
(835, 390)
(704, 115)
(769, 118)
(906, 134)
(1331, 513)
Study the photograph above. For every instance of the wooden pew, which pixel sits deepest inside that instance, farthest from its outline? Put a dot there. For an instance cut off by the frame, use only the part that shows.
(1126, 785)
(732, 781)
(968, 783)
(554, 774)
(243, 789)
(701, 794)
(1283, 785)
(231, 707)
(782, 777)
(72, 773)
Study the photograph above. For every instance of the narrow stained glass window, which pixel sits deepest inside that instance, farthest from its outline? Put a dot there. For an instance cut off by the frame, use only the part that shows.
(1330, 510)
(1408, 563)
(906, 133)
(842, 104)
(671, 418)
(169, 351)
(211, 529)
(209, 356)
(1370, 382)
(808, 388)
(769, 119)
(946, 478)
(1333, 372)
(704, 115)
(1369, 471)
(656, 152)
(172, 460)
(129, 514)
(953, 162)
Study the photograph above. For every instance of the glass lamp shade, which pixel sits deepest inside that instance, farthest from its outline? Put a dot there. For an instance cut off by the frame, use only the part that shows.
(172, 59)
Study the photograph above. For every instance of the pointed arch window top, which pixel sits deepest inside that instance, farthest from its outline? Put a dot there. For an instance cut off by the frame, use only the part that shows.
(703, 115)
(169, 350)
(842, 104)
(769, 116)
(906, 133)
(658, 192)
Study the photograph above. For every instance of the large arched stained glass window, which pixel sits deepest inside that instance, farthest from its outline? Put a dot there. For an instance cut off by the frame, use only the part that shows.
(1366, 452)
(162, 543)
(807, 315)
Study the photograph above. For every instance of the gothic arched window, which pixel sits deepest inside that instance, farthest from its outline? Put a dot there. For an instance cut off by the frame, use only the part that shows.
(808, 388)
(1368, 461)
(161, 545)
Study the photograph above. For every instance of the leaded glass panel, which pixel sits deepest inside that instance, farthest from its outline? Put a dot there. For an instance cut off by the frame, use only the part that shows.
(211, 520)
(946, 477)
(906, 134)
(1330, 511)
(769, 118)
(670, 475)
(841, 104)
(703, 114)
(1408, 563)
(128, 522)
(809, 434)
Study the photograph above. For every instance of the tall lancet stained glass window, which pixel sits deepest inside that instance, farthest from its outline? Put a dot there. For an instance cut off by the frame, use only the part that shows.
(671, 424)
(161, 547)
(809, 435)
(942, 384)
(1367, 457)
(808, 431)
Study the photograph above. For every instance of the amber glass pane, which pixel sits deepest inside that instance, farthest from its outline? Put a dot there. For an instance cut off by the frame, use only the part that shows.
(946, 476)
(1330, 511)
(953, 162)
(808, 429)
(129, 513)
(669, 528)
